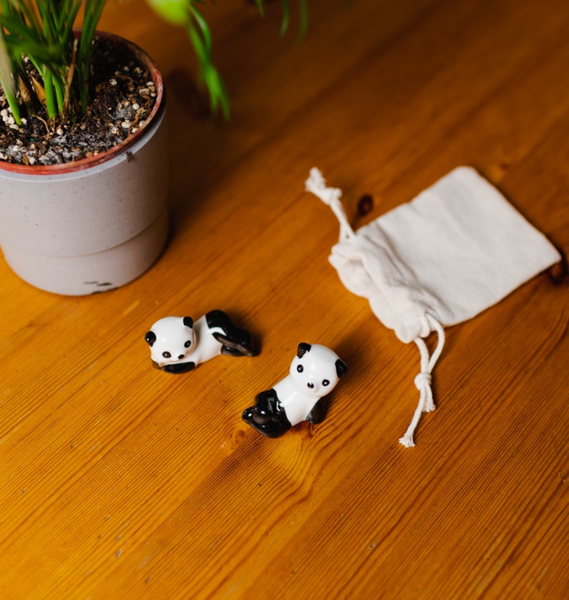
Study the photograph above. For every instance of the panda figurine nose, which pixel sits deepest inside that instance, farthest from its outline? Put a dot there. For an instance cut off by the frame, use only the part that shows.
(310, 385)
(181, 356)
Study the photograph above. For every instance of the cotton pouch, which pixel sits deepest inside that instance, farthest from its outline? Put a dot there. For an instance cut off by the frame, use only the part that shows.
(456, 249)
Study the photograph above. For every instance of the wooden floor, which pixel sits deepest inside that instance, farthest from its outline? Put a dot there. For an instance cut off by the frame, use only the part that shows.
(119, 481)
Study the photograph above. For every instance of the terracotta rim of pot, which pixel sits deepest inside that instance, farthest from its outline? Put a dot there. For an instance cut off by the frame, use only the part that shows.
(86, 163)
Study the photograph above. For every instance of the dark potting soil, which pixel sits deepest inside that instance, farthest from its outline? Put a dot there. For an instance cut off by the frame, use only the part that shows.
(122, 98)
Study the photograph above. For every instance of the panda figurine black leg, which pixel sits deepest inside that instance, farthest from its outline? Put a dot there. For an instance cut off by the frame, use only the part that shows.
(178, 345)
(267, 416)
(316, 415)
(313, 373)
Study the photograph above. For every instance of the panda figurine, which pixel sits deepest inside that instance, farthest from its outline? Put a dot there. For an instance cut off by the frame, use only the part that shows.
(178, 344)
(314, 372)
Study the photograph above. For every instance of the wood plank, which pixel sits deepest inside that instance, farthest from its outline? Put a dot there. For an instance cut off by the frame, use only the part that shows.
(120, 481)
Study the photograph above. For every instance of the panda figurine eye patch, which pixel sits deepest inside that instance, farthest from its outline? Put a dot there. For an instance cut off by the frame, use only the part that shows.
(313, 373)
(178, 344)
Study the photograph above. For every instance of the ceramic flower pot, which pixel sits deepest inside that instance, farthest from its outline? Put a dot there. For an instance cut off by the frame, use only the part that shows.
(95, 224)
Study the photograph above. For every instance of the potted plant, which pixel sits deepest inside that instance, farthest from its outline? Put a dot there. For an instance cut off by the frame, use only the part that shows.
(84, 211)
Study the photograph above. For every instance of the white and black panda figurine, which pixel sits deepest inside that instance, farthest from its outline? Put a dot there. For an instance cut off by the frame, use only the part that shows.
(314, 372)
(177, 344)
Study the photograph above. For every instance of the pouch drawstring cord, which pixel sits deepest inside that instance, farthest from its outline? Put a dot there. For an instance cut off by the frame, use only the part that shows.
(423, 379)
(330, 196)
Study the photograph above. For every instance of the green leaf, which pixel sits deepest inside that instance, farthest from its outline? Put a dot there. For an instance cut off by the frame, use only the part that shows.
(7, 80)
(173, 11)
(286, 16)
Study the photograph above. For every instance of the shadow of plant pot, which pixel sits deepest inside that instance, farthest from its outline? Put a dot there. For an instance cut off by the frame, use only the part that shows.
(95, 224)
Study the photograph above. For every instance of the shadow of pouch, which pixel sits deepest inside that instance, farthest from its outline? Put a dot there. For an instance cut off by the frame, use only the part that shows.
(456, 249)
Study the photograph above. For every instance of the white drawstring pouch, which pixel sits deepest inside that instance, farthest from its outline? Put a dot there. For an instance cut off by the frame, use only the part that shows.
(456, 249)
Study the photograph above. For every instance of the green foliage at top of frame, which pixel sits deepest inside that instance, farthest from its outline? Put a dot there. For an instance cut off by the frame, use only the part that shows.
(41, 31)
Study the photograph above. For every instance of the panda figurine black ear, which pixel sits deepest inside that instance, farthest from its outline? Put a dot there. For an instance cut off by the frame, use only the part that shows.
(341, 367)
(303, 348)
(188, 322)
(150, 338)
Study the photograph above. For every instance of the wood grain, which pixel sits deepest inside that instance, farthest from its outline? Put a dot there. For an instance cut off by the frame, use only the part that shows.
(119, 481)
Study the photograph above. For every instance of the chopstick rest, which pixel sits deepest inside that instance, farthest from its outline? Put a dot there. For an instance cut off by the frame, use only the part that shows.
(178, 344)
(314, 372)
(455, 250)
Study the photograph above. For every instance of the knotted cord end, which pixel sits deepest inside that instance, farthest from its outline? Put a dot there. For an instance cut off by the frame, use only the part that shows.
(424, 379)
(331, 197)
(317, 185)
(407, 440)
